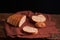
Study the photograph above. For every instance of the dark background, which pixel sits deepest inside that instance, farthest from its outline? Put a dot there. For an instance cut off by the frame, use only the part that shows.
(46, 6)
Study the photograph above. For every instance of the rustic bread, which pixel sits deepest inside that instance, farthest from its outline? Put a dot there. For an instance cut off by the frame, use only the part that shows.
(16, 19)
(39, 18)
(40, 24)
(29, 29)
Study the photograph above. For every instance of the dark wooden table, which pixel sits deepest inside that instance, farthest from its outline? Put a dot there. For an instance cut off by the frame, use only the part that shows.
(3, 16)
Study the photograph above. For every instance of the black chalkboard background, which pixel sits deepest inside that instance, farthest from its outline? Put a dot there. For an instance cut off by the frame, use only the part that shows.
(45, 6)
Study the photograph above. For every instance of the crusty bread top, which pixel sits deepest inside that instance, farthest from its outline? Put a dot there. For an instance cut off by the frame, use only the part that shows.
(41, 25)
(15, 19)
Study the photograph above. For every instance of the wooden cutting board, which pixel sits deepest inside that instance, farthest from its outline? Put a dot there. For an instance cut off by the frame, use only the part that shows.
(5, 15)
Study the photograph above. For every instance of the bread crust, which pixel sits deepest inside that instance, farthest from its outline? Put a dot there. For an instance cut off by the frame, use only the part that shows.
(40, 25)
(15, 18)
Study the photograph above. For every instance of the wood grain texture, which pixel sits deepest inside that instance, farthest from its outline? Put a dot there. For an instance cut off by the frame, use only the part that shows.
(54, 17)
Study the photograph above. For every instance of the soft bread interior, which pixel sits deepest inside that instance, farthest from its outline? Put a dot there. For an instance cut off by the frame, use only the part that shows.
(30, 29)
(36, 18)
(43, 18)
(39, 18)
(23, 19)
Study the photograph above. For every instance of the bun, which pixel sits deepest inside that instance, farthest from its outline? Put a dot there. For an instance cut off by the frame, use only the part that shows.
(40, 24)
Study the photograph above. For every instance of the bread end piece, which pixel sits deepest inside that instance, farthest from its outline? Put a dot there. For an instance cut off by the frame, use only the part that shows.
(16, 19)
(40, 25)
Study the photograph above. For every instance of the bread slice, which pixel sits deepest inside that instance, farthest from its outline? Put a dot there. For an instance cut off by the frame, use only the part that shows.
(39, 18)
(16, 19)
(40, 24)
(29, 29)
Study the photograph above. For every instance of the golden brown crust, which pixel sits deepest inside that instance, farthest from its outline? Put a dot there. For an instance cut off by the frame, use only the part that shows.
(14, 19)
(41, 25)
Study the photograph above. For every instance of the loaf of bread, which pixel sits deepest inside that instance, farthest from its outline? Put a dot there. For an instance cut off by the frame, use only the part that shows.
(40, 24)
(29, 29)
(39, 18)
(16, 19)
